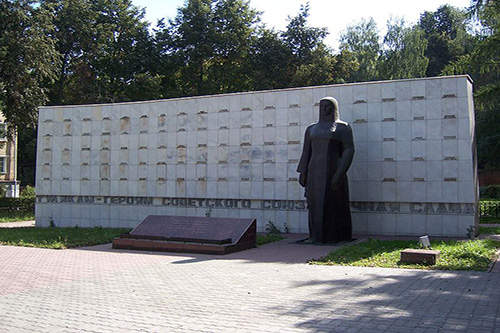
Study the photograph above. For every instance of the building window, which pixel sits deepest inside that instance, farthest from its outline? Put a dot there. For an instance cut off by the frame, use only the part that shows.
(3, 164)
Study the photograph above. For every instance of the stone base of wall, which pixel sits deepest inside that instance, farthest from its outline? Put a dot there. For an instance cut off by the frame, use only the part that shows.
(443, 220)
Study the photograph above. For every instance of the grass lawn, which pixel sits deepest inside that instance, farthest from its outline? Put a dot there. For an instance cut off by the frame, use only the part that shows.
(58, 238)
(64, 238)
(473, 255)
(489, 220)
(489, 230)
(268, 238)
(16, 215)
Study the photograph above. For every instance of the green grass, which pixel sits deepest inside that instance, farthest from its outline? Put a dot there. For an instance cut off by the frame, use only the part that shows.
(15, 216)
(58, 238)
(64, 238)
(489, 220)
(489, 230)
(474, 255)
(268, 238)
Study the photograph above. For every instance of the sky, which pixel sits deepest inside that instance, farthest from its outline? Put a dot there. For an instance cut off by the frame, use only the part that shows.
(335, 15)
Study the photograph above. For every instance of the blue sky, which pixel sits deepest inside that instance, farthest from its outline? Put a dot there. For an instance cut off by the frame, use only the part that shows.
(335, 15)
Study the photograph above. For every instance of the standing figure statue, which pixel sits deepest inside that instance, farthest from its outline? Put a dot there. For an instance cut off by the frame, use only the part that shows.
(327, 155)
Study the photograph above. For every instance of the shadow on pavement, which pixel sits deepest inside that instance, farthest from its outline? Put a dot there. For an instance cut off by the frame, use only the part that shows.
(285, 251)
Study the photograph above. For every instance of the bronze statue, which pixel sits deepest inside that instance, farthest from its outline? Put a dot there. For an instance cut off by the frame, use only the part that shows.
(327, 155)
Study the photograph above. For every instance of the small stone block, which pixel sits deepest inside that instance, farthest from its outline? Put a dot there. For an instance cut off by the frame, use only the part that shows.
(416, 256)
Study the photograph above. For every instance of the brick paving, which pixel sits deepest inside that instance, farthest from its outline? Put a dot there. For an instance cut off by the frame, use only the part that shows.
(267, 289)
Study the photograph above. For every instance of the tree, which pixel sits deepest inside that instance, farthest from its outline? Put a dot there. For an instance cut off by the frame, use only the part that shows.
(402, 55)
(105, 51)
(209, 43)
(303, 40)
(271, 61)
(190, 39)
(235, 24)
(74, 34)
(362, 41)
(311, 61)
(27, 60)
(123, 59)
(483, 64)
(485, 58)
(447, 36)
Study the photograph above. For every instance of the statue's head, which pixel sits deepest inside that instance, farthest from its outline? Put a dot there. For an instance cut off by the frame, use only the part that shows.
(328, 109)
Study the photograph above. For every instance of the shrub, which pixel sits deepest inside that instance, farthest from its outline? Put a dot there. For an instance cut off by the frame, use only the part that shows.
(18, 203)
(29, 191)
(490, 191)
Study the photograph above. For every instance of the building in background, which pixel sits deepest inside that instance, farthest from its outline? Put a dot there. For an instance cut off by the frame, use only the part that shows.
(8, 162)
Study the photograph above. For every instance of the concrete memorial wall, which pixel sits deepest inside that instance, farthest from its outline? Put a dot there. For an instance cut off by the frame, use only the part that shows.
(235, 155)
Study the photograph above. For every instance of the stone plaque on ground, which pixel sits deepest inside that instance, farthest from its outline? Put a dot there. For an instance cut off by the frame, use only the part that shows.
(190, 234)
(420, 256)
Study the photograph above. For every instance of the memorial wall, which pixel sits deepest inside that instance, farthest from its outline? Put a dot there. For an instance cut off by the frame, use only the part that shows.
(235, 155)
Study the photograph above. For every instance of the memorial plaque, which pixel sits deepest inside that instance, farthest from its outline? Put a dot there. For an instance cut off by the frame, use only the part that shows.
(190, 234)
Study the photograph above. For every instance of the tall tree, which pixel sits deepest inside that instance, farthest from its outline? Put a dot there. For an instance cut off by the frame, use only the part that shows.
(362, 41)
(271, 61)
(485, 58)
(312, 62)
(105, 50)
(235, 23)
(447, 35)
(402, 55)
(190, 39)
(302, 39)
(27, 59)
(483, 64)
(210, 42)
(74, 33)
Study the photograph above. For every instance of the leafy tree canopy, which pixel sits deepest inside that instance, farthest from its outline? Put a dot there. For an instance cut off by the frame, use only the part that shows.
(27, 60)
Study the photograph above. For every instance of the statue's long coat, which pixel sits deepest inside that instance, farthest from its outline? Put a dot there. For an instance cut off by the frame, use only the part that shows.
(329, 212)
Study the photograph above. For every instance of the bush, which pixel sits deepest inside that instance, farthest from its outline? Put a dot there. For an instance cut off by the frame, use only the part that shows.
(29, 191)
(18, 203)
(490, 191)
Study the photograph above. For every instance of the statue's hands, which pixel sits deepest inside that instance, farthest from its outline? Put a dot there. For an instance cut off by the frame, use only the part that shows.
(303, 179)
(336, 182)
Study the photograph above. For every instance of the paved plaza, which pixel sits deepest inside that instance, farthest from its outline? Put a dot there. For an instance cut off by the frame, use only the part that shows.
(266, 289)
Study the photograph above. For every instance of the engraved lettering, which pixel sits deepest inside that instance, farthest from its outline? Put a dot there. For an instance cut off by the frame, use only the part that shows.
(266, 204)
(301, 205)
(381, 207)
(455, 208)
(395, 207)
(442, 209)
(414, 208)
(429, 208)
(468, 209)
